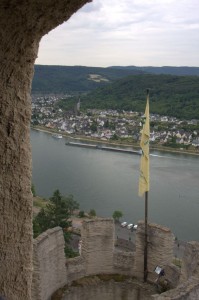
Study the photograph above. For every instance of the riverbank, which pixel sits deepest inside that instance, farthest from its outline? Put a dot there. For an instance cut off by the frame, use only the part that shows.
(113, 143)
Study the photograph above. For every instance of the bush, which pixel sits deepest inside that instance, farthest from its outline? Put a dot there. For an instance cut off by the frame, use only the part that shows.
(92, 213)
(117, 214)
(70, 253)
(81, 214)
(33, 190)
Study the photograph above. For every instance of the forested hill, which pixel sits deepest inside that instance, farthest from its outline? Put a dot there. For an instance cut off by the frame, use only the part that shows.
(66, 79)
(113, 88)
(179, 71)
(169, 95)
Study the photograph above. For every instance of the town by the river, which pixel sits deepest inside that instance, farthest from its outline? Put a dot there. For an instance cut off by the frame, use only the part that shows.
(108, 181)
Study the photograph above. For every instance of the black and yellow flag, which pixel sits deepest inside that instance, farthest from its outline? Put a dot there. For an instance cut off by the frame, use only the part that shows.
(144, 144)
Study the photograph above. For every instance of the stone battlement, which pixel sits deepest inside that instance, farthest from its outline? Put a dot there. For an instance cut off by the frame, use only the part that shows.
(99, 256)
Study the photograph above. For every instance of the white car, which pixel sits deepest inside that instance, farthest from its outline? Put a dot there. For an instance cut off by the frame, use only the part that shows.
(130, 226)
(135, 227)
(124, 224)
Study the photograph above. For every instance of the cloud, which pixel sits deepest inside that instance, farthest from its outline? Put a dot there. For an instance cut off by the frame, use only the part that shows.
(91, 7)
(126, 32)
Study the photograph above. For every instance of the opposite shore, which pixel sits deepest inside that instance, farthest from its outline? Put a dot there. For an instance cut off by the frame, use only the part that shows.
(108, 143)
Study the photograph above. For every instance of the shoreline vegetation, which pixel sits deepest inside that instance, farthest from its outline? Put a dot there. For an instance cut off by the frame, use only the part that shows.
(110, 143)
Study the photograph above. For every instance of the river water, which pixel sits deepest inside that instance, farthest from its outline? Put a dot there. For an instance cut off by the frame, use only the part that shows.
(108, 181)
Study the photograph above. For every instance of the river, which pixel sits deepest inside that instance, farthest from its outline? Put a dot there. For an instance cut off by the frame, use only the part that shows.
(108, 181)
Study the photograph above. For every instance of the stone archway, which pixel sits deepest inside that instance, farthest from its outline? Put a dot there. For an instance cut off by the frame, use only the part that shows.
(22, 25)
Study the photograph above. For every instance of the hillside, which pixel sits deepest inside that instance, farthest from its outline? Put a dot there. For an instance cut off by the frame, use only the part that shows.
(65, 79)
(179, 71)
(123, 88)
(75, 79)
(169, 95)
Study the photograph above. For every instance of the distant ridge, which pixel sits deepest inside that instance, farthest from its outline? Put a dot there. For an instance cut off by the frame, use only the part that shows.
(179, 71)
(71, 79)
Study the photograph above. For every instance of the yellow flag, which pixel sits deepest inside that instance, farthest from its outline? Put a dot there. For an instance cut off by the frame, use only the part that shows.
(144, 144)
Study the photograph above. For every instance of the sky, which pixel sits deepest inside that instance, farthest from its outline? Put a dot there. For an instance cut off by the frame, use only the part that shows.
(126, 32)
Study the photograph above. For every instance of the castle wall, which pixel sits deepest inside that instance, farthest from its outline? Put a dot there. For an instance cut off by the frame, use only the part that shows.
(123, 262)
(49, 264)
(22, 25)
(36, 280)
(190, 262)
(160, 249)
(188, 290)
(108, 291)
(97, 245)
(75, 268)
(52, 271)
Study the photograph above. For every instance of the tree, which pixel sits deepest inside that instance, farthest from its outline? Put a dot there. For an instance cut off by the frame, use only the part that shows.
(93, 126)
(33, 190)
(56, 213)
(117, 214)
(41, 222)
(92, 213)
(106, 124)
(114, 137)
(81, 214)
(71, 204)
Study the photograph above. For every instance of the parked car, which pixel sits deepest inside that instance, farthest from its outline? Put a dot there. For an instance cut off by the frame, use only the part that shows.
(135, 226)
(124, 224)
(130, 226)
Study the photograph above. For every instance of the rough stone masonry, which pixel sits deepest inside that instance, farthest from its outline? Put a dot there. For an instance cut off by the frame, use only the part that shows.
(99, 256)
(22, 25)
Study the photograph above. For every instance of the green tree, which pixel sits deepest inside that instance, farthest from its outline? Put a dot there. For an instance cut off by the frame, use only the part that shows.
(33, 190)
(58, 210)
(117, 214)
(114, 137)
(93, 126)
(70, 253)
(92, 213)
(56, 213)
(71, 203)
(106, 124)
(81, 214)
(41, 222)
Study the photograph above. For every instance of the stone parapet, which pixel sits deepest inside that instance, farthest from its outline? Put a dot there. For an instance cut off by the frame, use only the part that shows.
(75, 268)
(108, 291)
(172, 274)
(190, 261)
(97, 245)
(160, 249)
(49, 264)
(123, 262)
(52, 270)
(188, 290)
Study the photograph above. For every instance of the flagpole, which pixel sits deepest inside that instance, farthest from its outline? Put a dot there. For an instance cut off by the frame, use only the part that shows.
(145, 238)
(144, 177)
(145, 228)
